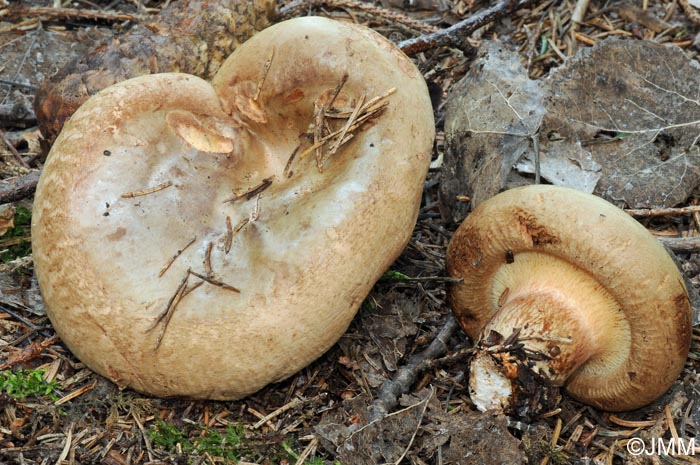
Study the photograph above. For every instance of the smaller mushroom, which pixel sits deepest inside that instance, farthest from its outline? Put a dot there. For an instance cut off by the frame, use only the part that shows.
(564, 289)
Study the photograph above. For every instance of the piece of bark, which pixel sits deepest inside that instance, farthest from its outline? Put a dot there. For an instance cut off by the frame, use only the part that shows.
(190, 36)
(18, 188)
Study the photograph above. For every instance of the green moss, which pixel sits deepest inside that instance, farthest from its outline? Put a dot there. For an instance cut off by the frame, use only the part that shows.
(20, 384)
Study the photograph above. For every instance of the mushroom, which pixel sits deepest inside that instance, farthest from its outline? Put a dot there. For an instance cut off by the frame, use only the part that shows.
(204, 240)
(564, 289)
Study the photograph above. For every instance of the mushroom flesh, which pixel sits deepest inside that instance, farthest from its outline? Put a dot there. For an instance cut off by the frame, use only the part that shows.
(205, 239)
(564, 289)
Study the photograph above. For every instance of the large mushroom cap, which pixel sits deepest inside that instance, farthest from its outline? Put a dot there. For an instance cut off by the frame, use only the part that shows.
(187, 240)
(581, 281)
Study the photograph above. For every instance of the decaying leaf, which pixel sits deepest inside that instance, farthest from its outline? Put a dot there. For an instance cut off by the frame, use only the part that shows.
(621, 119)
(491, 117)
(7, 218)
(635, 106)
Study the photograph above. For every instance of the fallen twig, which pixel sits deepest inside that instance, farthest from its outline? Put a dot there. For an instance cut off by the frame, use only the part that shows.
(391, 390)
(174, 257)
(12, 190)
(13, 150)
(150, 190)
(78, 13)
(648, 212)
(29, 353)
(457, 34)
(292, 8)
(249, 194)
(693, 14)
(681, 244)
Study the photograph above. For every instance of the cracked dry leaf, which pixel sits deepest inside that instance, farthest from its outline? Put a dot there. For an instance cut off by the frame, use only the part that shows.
(491, 116)
(635, 106)
(621, 120)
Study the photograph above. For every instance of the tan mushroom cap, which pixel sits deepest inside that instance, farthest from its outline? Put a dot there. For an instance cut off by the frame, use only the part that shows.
(584, 282)
(167, 166)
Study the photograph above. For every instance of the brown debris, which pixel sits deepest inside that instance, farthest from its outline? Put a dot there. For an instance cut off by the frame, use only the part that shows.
(308, 412)
(326, 142)
(29, 353)
(192, 36)
(56, 13)
(150, 190)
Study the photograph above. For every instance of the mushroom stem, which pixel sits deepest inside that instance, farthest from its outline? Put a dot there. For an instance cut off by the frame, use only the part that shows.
(554, 317)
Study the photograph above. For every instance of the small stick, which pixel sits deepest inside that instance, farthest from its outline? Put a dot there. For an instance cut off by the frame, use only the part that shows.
(207, 260)
(290, 405)
(77, 393)
(648, 212)
(241, 224)
(252, 192)
(16, 189)
(150, 190)
(346, 127)
(191, 288)
(167, 314)
(336, 92)
(363, 118)
(631, 423)
(48, 12)
(229, 236)
(318, 133)
(255, 214)
(456, 34)
(391, 390)
(214, 282)
(174, 257)
(555, 438)
(681, 244)
(266, 69)
(162, 314)
(693, 14)
(287, 168)
(13, 150)
(580, 11)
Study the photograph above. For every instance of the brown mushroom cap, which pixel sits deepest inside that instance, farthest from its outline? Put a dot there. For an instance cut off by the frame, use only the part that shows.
(584, 283)
(167, 166)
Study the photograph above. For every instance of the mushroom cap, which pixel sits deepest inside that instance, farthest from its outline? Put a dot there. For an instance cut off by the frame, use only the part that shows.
(613, 249)
(146, 170)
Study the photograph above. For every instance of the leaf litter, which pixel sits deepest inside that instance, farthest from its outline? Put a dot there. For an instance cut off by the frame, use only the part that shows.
(620, 119)
(313, 416)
